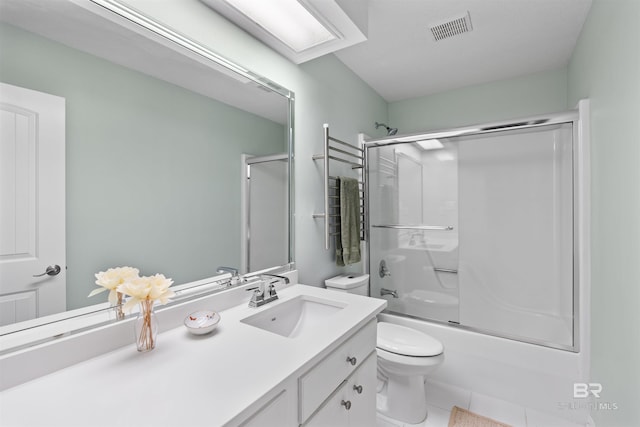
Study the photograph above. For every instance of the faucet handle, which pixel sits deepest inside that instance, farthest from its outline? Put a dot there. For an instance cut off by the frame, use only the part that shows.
(258, 295)
(272, 290)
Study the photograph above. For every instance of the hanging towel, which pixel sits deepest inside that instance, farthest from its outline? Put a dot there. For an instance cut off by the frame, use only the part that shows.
(348, 242)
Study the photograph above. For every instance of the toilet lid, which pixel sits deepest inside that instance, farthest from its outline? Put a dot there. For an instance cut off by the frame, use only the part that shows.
(407, 341)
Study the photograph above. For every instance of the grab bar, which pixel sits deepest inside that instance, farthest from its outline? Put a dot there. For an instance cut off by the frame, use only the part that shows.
(414, 227)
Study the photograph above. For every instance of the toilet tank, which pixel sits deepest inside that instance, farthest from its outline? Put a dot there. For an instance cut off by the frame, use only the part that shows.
(351, 283)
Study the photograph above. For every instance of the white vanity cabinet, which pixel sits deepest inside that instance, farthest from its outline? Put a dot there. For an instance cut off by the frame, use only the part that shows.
(353, 404)
(340, 389)
(240, 375)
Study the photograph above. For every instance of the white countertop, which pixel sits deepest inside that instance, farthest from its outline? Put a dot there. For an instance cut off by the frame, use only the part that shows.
(186, 380)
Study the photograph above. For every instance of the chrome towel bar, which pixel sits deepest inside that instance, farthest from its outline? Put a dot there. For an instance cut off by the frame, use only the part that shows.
(415, 227)
(356, 160)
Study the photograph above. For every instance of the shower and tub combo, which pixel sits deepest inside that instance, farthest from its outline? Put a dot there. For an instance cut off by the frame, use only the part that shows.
(477, 237)
(476, 229)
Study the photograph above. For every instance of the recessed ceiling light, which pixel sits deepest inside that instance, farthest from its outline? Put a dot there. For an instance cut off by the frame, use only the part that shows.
(300, 30)
(287, 20)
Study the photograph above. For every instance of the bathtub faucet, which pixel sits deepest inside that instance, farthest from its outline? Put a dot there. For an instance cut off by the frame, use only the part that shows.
(384, 292)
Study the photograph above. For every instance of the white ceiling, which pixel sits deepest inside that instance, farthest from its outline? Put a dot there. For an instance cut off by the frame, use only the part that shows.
(510, 38)
(400, 60)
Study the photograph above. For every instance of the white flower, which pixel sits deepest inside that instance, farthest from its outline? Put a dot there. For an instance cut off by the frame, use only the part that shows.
(160, 288)
(149, 288)
(112, 278)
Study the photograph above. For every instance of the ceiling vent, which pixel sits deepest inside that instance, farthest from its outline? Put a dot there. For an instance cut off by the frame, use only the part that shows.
(452, 27)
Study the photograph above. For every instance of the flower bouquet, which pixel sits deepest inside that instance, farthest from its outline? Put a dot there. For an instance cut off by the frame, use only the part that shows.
(144, 291)
(110, 280)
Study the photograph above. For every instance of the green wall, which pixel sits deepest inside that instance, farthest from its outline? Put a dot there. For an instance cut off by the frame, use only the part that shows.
(153, 170)
(605, 67)
(326, 92)
(529, 95)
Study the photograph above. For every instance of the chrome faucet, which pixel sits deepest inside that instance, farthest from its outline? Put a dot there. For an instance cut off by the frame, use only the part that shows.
(384, 292)
(416, 238)
(283, 278)
(383, 271)
(236, 279)
(263, 294)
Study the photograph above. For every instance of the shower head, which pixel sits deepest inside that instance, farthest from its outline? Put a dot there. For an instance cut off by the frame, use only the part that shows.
(390, 131)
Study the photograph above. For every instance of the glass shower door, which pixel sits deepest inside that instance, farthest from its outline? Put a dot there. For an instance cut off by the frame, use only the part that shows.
(413, 221)
(516, 233)
(477, 230)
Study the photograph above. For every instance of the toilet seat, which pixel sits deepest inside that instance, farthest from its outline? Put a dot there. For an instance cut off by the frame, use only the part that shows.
(406, 341)
(407, 365)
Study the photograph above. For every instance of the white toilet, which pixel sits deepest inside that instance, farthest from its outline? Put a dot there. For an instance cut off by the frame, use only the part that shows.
(405, 356)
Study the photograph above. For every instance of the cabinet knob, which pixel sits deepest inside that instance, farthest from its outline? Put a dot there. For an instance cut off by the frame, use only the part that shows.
(352, 360)
(346, 404)
(358, 389)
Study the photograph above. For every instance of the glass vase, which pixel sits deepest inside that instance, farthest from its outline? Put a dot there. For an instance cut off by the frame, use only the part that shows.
(118, 306)
(146, 327)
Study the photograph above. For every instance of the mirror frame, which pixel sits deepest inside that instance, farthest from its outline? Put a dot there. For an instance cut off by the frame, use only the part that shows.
(36, 331)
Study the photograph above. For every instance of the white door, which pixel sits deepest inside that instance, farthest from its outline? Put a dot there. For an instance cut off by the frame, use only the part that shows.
(32, 204)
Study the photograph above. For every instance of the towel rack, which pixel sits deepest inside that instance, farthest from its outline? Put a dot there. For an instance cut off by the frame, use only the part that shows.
(354, 158)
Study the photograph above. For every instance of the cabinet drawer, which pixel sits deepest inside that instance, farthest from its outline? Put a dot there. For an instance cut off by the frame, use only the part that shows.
(317, 384)
(353, 404)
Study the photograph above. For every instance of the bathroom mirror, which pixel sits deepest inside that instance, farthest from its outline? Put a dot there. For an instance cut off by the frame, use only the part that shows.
(157, 131)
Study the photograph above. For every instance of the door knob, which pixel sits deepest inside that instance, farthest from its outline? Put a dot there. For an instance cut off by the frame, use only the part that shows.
(50, 271)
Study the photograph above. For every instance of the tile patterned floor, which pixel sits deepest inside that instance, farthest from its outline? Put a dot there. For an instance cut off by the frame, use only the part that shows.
(442, 397)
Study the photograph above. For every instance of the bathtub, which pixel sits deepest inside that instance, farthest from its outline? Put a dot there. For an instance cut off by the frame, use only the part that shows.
(530, 375)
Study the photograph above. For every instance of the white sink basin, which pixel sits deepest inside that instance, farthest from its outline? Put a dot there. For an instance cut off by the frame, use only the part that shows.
(298, 316)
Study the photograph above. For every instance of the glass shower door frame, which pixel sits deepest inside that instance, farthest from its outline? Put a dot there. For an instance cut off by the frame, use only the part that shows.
(577, 158)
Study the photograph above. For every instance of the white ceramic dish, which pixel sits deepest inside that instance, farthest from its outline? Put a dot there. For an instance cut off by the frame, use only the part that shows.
(202, 322)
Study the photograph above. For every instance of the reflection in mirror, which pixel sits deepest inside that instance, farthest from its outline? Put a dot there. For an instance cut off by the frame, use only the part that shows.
(266, 209)
(152, 140)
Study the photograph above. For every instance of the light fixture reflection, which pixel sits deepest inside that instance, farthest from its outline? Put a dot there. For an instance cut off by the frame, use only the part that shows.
(430, 144)
(445, 157)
